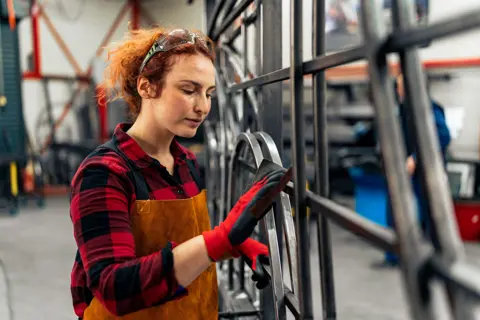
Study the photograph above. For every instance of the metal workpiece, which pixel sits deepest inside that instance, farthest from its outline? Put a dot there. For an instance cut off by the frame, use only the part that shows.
(270, 152)
(266, 149)
(394, 156)
(446, 238)
(241, 144)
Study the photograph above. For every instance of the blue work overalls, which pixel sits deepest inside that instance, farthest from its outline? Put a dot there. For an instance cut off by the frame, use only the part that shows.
(443, 140)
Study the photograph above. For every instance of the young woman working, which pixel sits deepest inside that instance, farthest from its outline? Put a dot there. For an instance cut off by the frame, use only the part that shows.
(141, 224)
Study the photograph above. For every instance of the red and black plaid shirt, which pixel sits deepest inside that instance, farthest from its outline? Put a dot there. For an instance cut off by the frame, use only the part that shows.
(102, 196)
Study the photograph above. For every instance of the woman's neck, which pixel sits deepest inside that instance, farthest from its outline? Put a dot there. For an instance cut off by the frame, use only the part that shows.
(153, 140)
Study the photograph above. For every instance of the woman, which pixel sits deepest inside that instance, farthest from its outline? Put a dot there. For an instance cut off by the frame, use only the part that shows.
(145, 248)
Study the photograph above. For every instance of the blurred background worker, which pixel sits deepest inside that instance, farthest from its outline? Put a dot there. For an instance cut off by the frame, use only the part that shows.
(443, 139)
(138, 205)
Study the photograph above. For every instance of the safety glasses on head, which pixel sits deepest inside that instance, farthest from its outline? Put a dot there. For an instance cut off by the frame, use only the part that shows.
(174, 39)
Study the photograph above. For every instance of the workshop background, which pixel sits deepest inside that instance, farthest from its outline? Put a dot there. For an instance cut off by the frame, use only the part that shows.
(51, 61)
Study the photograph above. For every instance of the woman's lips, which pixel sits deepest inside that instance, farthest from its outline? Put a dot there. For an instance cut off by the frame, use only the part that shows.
(193, 123)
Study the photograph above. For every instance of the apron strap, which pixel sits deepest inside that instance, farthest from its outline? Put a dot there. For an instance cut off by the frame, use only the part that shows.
(141, 186)
(195, 172)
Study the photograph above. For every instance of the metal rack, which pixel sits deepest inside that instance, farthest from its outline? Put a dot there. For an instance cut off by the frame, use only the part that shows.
(427, 267)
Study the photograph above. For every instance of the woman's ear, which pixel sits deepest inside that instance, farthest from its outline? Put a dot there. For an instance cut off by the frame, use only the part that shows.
(146, 89)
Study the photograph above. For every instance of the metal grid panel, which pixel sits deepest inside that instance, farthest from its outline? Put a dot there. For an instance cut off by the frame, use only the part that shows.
(423, 262)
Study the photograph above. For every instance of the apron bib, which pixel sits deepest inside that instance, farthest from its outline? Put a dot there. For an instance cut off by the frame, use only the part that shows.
(154, 223)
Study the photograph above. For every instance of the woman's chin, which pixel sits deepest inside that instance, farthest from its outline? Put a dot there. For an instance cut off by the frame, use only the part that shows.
(186, 133)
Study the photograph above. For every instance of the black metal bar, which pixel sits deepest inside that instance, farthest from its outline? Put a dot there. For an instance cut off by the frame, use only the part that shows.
(212, 20)
(271, 115)
(378, 236)
(460, 274)
(414, 36)
(348, 219)
(321, 163)
(439, 204)
(291, 301)
(237, 11)
(317, 64)
(298, 158)
(275, 76)
(245, 114)
(332, 60)
(247, 20)
(393, 152)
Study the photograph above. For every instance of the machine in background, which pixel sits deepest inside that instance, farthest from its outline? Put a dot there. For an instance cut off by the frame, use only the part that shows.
(20, 170)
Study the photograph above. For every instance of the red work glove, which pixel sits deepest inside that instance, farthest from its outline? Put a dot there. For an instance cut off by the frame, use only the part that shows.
(253, 250)
(255, 254)
(251, 207)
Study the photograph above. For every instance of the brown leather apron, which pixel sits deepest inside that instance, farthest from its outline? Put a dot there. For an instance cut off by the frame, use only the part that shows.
(154, 223)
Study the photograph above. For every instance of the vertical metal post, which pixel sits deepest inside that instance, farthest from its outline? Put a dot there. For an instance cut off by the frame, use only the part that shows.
(298, 157)
(412, 254)
(272, 102)
(322, 164)
(245, 113)
(445, 234)
(272, 61)
(258, 43)
(212, 10)
(271, 111)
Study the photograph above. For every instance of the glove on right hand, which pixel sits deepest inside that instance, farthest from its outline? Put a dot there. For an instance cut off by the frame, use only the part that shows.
(252, 206)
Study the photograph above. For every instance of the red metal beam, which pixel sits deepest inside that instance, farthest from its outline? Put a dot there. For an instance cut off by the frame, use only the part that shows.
(135, 5)
(35, 13)
(100, 92)
(102, 113)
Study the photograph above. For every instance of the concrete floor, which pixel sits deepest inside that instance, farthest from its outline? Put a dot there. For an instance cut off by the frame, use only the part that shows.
(37, 249)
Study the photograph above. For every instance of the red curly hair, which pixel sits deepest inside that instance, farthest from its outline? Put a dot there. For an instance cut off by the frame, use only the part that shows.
(125, 58)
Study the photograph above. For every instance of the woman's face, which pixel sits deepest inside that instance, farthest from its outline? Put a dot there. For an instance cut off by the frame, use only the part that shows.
(185, 98)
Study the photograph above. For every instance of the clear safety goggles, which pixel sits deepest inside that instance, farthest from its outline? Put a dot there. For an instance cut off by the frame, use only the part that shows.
(174, 39)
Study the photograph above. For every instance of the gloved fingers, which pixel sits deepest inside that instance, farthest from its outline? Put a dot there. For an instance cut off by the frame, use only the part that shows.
(279, 180)
(261, 277)
(265, 260)
(258, 185)
(266, 169)
(262, 284)
(264, 198)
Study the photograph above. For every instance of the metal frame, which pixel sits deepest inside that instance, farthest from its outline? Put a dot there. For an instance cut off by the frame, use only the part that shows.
(424, 262)
(37, 12)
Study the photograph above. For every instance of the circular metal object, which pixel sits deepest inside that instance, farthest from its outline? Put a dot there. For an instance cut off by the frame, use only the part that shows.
(270, 152)
(245, 161)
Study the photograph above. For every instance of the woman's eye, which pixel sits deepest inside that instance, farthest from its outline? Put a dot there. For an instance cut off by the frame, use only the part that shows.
(188, 91)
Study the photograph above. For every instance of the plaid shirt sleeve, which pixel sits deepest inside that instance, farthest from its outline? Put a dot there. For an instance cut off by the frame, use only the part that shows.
(100, 201)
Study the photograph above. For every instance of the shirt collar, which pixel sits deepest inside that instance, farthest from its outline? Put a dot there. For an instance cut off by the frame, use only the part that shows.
(135, 153)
